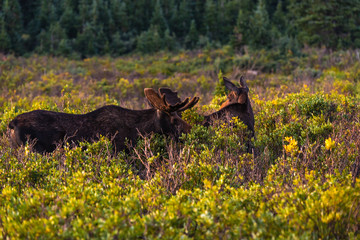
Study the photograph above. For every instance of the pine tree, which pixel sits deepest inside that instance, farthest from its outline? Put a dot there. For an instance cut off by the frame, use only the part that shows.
(65, 48)
(149, 41)
(84, 12)
(260, 27)
(180, 20)
(168, 7)
(31, 26)
(229, 17)
(158, 18)
(119, 16)
(13, 23)
(51, 31)
(241, 32)
(279, 18)
(85, 41)
(169, 41)
(94, 12)
(141, 11)
(45, 15)
(69, 20)
(5, 41)
(43, 42)
(117, 45)
(56, 34)
(210, 19)
(193, 37)
(334, 24)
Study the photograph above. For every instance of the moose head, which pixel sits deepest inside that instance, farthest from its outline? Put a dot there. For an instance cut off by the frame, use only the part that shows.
(238, 95)
(237, 105)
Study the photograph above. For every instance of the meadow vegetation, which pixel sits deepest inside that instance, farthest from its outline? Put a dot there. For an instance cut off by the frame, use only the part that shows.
(301, 182)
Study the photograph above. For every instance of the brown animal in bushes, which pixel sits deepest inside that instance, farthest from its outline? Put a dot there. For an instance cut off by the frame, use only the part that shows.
(237, 105)
(47, 129)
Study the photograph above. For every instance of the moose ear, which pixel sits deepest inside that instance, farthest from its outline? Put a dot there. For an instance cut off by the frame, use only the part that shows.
(171, 96)
(229, 85)
(242, 82)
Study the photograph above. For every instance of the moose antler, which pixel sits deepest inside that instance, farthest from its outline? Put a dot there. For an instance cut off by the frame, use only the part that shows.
(192, 103)
(171, 96)
(161, 103)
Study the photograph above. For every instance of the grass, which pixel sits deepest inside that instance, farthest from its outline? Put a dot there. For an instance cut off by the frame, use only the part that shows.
(303, 181)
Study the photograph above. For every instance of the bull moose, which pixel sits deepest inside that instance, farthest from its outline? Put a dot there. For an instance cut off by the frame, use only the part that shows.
(47, 129)
(237, 105)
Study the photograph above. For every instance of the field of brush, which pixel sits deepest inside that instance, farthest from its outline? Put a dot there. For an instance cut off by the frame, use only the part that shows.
(303, 181)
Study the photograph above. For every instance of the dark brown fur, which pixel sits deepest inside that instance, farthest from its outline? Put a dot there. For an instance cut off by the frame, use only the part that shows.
(47, 128)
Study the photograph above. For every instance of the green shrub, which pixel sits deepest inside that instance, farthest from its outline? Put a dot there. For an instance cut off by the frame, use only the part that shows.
(302, 181)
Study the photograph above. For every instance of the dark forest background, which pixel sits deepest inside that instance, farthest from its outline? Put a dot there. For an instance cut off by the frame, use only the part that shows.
(115, 27)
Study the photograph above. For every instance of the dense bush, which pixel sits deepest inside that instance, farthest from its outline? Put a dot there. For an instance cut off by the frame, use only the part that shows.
(301, 182)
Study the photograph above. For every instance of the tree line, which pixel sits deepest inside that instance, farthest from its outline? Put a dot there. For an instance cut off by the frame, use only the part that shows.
(96, 27)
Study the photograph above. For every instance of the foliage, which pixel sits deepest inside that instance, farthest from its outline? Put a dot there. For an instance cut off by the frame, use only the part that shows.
(100, 27)
(302, 181)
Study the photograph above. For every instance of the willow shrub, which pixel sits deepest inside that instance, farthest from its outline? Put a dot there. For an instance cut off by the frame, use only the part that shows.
(301, 182)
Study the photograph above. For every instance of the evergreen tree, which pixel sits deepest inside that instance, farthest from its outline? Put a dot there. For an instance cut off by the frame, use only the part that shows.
(197, 12)
(260, 27)
(117, 45)
(241, 32)
(180, 20)
(84, 12)
(279, 18)
(64, 48)
(230, 15)
(85, 41)
(69, 20)
(43, 42)
(149, 41)
(334, 24)
(168, 7)
(5, 41)
(13, 24)
(51, 31)
(46, 14)
(158, 18)
(56, 35)
(211, 19)
(193, 37)
(31, 26)
(169, 41)
(94, 12)
(141, 12)
(119, 16)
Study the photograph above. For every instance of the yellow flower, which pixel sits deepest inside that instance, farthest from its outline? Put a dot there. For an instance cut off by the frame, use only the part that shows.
(27, 150)
(306, 87)
(292, 147)
(329, 144)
